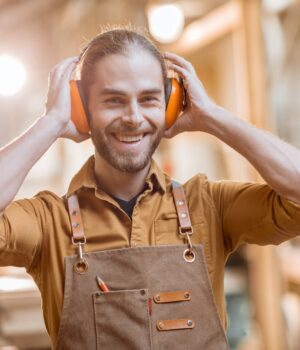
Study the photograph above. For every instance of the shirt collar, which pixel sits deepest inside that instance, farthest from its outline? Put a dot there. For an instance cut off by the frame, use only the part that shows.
(85, 177)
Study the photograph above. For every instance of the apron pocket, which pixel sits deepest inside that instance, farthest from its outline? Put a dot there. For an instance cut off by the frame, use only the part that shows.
(122, 320)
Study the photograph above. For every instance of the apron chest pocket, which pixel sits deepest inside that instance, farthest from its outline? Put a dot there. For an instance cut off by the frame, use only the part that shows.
(122, 320)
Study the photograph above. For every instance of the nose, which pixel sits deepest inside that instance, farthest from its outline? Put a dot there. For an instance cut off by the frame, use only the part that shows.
(133, 115)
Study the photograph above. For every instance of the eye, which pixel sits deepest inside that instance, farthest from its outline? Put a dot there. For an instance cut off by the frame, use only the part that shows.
(114, 100)
(149, 99)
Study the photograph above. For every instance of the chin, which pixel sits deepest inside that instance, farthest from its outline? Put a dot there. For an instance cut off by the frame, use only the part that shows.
(129, 164)
(129, 161)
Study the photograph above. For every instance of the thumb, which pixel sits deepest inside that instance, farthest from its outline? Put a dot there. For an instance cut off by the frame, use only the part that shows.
(178, 127)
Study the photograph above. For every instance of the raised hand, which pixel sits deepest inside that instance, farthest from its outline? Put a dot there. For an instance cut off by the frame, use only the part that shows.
(58, 103)
(199, 105)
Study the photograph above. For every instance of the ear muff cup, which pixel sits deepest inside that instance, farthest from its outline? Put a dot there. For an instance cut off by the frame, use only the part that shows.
(79, 110)
(175, 102)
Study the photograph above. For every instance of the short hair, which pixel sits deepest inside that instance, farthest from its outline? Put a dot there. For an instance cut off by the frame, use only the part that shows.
(119, 40)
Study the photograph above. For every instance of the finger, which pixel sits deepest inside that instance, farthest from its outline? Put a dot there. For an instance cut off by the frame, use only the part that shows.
(61, 66)
(179, 126)
(75, 135)
(186, 76)
(176, 58)
(65, 62)
(67, 73)
(172, 131)
(58, 70)
(81, 137)
(183, 73)
(62, 71)
(59, 79)
(179, 61)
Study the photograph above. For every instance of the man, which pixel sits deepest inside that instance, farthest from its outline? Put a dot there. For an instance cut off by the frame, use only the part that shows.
(126, 207)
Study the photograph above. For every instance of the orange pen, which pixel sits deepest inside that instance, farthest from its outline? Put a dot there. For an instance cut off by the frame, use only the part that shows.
(102, 285)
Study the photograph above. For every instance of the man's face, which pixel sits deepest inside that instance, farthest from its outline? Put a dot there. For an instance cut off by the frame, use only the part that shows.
(127, 107)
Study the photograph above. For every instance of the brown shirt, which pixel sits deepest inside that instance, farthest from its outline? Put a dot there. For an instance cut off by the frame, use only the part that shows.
(36, 233)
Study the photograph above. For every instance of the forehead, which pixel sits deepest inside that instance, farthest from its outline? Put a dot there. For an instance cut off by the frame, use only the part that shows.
(137, 69)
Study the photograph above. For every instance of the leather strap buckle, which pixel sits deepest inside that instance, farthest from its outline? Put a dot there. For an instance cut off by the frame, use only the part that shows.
(183, 231)
(77, 243)
(185, 225)
(78, 237)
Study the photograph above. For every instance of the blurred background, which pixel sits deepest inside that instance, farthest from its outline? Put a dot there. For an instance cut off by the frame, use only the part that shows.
(246, 52)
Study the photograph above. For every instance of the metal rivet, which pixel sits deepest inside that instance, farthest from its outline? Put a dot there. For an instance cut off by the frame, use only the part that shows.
(157, 297)
(81, 266)
(143, 292)
(161, 325)
(190, 323)
(186, 295)
(189, 256)
(74, 212)
(183, 215)
(75, 225)
(180, 202)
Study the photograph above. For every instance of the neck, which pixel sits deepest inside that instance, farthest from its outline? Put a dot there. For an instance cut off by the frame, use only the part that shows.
(118, 183)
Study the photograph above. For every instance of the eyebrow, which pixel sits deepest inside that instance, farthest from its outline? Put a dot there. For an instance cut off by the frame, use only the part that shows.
(108, 91)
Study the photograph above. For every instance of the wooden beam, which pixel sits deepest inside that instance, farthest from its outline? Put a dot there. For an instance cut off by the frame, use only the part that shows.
(266, 281)
(278, 6)
(202, 32)
(25, 11)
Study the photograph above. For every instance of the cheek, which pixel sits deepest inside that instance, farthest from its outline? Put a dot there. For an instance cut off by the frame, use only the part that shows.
(103, 118)
(158, 118)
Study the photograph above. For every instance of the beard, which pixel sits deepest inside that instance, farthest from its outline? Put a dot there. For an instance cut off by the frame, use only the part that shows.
(125, 161)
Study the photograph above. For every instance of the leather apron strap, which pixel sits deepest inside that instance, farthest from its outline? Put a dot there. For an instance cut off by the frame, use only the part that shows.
(75, 218)
(185, 225)
(78, 236)
(181, 207)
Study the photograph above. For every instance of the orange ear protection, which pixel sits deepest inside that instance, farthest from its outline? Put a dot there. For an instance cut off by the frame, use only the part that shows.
(175, 103)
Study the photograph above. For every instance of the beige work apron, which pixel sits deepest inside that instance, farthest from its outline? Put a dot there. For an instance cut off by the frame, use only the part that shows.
(159, 297)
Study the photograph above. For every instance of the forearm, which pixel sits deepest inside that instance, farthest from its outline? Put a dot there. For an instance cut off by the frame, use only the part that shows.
(276, 161)
(19, 156)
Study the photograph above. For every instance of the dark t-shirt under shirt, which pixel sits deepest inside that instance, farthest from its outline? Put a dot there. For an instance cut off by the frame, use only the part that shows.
(127, 206)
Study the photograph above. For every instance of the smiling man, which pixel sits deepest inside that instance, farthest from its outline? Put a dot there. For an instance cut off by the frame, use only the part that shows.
(128, 258)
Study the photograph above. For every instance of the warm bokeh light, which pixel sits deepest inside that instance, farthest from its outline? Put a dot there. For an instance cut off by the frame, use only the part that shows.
(12, 75)
(10, 284)
(166, 22)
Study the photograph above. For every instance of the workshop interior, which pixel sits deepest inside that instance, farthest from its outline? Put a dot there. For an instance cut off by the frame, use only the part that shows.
(246, 52)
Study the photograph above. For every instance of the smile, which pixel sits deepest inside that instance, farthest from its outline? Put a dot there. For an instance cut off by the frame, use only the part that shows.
(129, 138)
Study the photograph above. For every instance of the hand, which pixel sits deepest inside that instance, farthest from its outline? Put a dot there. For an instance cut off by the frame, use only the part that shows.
(58, 103)
(199, 105)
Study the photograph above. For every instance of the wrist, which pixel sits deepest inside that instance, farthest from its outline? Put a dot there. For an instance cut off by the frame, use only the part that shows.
(216, 120)
(57, 125)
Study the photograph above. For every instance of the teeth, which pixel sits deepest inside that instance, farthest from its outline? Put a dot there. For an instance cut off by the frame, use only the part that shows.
(124, 138)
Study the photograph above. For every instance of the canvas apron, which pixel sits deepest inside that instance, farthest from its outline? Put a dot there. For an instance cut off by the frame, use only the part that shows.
(159, 297)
